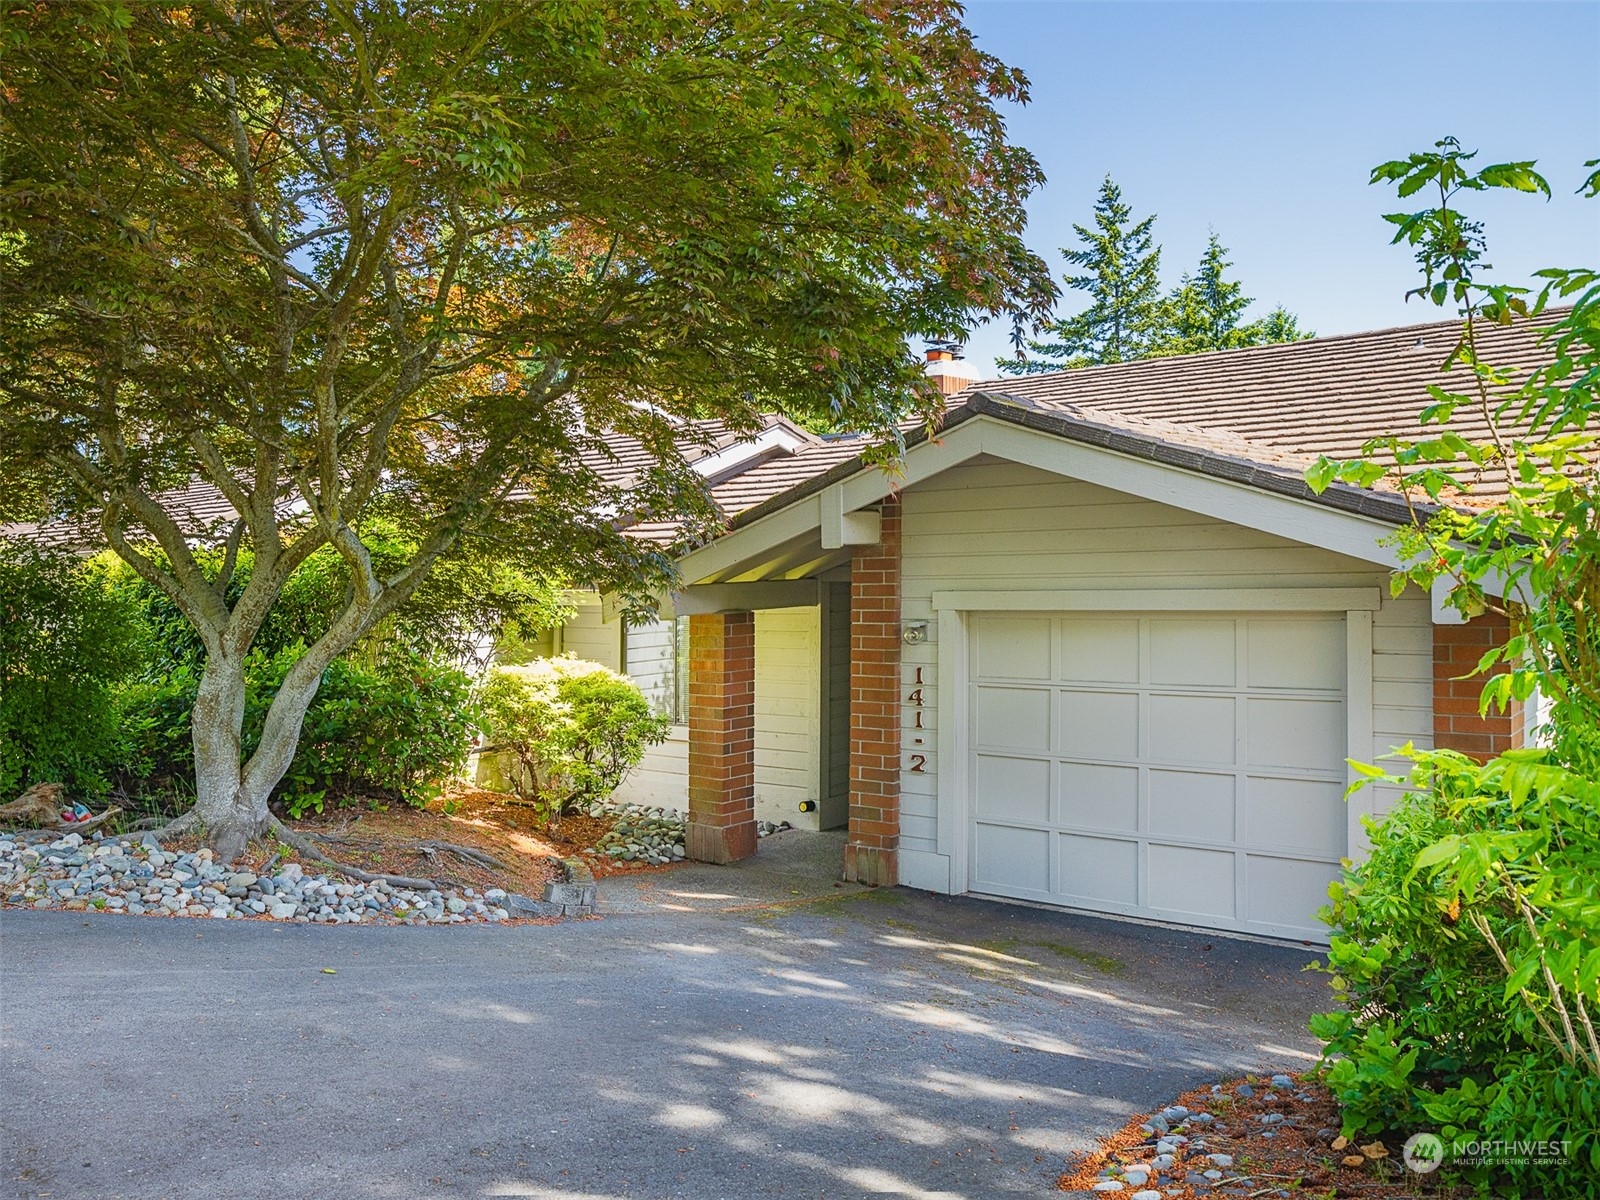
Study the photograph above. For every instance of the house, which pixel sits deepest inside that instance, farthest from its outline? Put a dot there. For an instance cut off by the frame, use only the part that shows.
(1094, 644)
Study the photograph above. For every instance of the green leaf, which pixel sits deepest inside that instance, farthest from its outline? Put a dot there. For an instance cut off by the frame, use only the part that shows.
(1440, 851)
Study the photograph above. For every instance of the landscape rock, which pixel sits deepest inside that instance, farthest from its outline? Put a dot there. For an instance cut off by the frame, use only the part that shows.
(135, 877)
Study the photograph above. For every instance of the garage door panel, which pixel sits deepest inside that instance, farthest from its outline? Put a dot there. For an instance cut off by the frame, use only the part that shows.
(1099, 870)
(1017, 718)
(1304, 654)
(1295, 814)
(1100, 724)
(1009, 859)
(1194, 651)
(1099, 797)
(1192, 881)
(1014, 789)
(1012, 647)
(1194, 729)
(1285, 893)
(1192, 805)
(1100, 651)
(1307, 734)
(1188, 766)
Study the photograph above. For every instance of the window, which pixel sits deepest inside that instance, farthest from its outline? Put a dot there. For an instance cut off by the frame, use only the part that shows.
(680, 671)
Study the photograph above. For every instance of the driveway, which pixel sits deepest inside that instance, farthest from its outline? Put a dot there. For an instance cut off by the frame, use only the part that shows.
(722, 1032)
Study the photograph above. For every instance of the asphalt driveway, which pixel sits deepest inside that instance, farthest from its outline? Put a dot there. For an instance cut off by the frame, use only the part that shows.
(722, 1033)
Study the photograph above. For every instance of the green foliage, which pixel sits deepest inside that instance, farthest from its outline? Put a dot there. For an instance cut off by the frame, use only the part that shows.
(1468, 961)
(1535, 555)
(1468, 951)
(472, 267)
(1206, 312)
(470, 601)
(572, 728)
(66, 637)
(1128, 318)
(390, 730)
(1121, 276)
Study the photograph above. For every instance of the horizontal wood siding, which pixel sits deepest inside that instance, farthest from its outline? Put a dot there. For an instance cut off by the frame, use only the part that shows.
(588, 636)
(650, 663)
(788, 746)
(788, 699)
(990, 525)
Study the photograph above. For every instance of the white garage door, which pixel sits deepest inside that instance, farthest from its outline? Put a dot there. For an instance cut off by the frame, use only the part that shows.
(1186, 767)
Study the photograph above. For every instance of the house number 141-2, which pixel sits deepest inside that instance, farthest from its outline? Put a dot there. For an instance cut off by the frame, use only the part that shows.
(919, 762)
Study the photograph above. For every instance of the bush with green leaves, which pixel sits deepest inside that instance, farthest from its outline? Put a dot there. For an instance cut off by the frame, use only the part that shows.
(1468, 959)
(66, 638)
(570, 729)
(1467, 946)
(394, 729)
(469, 602)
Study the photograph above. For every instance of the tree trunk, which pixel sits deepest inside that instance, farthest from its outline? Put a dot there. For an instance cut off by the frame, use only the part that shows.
(230, 797)
(232, 814)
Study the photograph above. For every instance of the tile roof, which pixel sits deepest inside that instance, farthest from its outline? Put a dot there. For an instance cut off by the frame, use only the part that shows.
(1259, 415)
(1290, 402)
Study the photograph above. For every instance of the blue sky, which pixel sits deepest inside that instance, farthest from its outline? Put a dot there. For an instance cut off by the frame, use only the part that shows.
(1262, 121)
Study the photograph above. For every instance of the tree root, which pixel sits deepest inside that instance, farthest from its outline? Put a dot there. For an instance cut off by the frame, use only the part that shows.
(172, 828)
(475, 857)
(430, 848)
(308, 848)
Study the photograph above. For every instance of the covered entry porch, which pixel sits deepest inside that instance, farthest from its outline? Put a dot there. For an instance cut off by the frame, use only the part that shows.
(854, 585)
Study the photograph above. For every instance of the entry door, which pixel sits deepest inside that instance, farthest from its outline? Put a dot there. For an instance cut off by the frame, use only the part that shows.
(1183, 767)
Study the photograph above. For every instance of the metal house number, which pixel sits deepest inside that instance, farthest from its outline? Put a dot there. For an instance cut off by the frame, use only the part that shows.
(919, 762)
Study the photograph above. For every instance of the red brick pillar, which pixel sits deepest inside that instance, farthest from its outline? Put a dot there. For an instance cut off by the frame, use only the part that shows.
(1456, 723)
(871, 855)
(722, 738)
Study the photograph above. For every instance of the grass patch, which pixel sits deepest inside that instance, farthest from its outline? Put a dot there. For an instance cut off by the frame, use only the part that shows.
(1104, 963)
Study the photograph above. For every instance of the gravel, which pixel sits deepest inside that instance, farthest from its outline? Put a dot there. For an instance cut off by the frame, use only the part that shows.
(122, 876)
(651, 835)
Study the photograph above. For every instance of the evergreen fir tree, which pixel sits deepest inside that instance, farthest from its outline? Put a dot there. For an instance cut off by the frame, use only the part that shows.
(1204, 312)
(1279, 325)
(1121, 274)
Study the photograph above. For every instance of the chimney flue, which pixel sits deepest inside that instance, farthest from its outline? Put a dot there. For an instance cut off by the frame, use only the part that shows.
(947, 369)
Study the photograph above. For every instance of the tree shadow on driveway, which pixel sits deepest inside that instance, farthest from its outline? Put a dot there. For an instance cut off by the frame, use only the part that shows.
(882, 1043)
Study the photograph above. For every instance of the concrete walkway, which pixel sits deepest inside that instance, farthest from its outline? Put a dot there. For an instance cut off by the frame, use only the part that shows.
(790, 869)
(725, 1032)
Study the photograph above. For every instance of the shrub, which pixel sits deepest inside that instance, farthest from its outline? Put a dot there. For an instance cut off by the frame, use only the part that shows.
(393, 730)
(66, 636)
(1468, 958)
(571, 729)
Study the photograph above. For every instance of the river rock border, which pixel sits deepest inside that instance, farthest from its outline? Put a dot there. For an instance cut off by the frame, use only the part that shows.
(121, 875)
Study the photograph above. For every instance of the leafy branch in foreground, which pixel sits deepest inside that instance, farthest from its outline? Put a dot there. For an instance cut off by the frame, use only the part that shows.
(1466, 949)
(470, 270)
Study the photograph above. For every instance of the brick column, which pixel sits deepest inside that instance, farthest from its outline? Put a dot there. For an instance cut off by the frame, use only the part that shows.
(871, 855)
(1456, 723)
(722, 739)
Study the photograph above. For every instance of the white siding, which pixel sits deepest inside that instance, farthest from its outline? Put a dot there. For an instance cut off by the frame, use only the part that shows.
(588, 636)
(788, 708)
(662, 779)
(998, 526)
(788, 679)
(651, 650)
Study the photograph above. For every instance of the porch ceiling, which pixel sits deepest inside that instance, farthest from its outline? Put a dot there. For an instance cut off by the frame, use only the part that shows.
(798, 558)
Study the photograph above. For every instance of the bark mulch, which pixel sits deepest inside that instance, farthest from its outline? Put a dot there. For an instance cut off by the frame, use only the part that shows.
(1302, 1157)
(390, 841)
